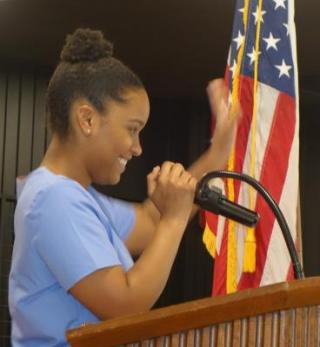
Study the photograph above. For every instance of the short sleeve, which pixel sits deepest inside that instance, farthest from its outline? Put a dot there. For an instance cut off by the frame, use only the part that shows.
(69, 236)
(121, 213)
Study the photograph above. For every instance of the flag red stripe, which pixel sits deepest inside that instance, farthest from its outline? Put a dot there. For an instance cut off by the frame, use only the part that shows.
(220, 277)
(273, 175)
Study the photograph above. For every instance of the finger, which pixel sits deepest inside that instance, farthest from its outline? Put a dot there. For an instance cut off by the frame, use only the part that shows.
(216, 92)
(152, 179)
(153, 175)
(215, 86)
(188, 180)
(176, 171)
(215, 89)
(165, 171)
(185, 177)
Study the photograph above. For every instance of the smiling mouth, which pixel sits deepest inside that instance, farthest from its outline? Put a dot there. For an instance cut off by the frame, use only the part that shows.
(123, 163)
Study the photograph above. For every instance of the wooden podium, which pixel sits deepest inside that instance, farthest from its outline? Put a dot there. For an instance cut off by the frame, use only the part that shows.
(285, 314)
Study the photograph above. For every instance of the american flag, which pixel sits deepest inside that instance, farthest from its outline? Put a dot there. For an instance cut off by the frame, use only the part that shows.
(262, 75)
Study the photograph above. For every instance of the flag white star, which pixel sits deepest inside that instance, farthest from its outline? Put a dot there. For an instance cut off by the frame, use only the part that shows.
(239, 39)
(279, 3)
(287, 27)
(271, 41)
(253, 55)
(284, 69)
(233, 68)
(255, 14)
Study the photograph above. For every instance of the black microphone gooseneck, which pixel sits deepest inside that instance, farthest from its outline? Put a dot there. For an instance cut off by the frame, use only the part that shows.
(211, 198)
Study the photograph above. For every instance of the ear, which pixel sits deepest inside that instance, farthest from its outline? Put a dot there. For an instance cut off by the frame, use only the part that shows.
(85, 117)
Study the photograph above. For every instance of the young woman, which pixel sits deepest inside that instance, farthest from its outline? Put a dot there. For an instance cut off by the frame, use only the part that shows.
(72, 253)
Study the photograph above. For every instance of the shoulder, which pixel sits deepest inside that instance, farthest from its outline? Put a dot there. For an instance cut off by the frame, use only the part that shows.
(65, 202)
(65, 208)
(44, 191)
(61, 193)
(42, 185)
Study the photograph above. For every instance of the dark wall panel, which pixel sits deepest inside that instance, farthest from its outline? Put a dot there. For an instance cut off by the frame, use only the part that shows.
(3, 91)
(22, 145)
(4, 325)
(26, 124)
(8, 189)
(309, 181)
(11, 133)
(39, 123)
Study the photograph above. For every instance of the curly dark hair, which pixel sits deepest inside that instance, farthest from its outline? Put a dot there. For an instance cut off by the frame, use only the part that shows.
(86, 69)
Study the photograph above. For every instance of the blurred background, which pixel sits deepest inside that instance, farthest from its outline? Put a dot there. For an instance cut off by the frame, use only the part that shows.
(176, 47)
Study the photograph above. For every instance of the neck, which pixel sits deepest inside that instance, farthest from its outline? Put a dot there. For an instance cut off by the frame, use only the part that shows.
(65, 158)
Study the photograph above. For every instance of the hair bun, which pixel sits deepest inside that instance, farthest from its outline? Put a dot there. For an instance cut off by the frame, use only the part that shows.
(86, 45)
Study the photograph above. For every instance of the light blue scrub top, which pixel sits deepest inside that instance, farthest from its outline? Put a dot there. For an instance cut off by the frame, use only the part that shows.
(63, 233)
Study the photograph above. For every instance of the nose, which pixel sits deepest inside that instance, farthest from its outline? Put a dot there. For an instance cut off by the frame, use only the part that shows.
(136, 148)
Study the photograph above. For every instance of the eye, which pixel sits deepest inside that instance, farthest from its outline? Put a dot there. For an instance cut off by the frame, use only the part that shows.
(133, 130)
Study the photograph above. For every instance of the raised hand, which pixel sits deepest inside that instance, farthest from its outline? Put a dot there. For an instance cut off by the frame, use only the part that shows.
(227, 119)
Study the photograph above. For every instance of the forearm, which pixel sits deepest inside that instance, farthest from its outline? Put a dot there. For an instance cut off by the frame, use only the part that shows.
(148, 276)
(212, 159)
(147, 219)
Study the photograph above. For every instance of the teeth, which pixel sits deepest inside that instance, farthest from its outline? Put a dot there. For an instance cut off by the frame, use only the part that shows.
(123, 162)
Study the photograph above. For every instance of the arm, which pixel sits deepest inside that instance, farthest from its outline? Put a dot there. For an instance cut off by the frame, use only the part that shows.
(111, 292)
(214, 158)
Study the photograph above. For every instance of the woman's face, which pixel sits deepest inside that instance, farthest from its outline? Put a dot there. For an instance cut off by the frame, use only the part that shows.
(116, 139)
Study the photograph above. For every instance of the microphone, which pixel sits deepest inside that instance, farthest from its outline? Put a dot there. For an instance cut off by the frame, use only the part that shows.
(212, 199)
